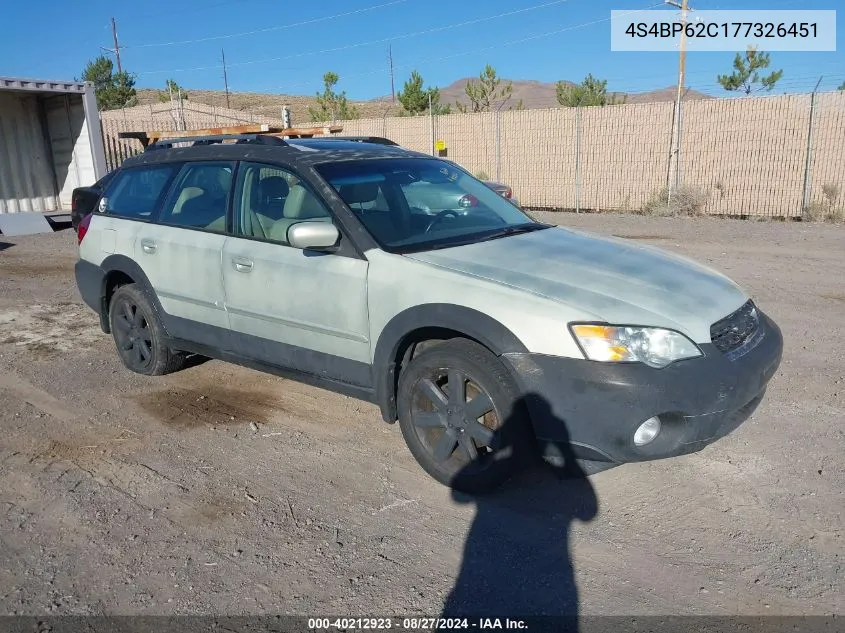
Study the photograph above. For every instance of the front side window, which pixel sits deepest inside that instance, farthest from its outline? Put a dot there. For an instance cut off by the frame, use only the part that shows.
(269, 200)
(419, 204)
(133, 192)
(199, 197)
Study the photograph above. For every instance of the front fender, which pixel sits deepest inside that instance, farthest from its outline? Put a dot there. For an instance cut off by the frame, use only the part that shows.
(466, 321)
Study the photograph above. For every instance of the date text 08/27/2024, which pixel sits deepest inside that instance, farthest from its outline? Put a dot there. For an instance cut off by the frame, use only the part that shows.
(415, 624)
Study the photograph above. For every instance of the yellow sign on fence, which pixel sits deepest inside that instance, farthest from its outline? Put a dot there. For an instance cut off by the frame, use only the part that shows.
(440, 146)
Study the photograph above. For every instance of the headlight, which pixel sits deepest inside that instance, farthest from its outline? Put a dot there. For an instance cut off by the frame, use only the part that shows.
(653, 346)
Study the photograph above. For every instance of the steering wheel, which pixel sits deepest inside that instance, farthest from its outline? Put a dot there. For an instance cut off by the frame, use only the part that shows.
(439, 217)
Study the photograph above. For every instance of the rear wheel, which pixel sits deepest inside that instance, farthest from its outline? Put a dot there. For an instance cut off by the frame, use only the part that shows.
(138, 335)
(461, 416)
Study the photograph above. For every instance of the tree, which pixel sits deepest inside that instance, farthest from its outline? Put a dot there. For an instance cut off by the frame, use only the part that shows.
(745, 77)
(172, 88)
(113, 90)
(590, 92)
(122, 93)
(842, 87)
(331, 105)
(485, 92)
(415, 99)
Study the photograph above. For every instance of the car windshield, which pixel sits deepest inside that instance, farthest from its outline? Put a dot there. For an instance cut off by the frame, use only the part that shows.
(414, 204)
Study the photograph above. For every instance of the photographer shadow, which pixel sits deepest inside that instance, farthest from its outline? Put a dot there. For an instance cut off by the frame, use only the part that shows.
(517, 561)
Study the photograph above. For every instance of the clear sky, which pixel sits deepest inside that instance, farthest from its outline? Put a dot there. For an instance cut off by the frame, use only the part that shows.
(270, 48)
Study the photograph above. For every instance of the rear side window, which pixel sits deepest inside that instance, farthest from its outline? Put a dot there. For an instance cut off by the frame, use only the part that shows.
(200, 197)
(134, 192)
(103, 182)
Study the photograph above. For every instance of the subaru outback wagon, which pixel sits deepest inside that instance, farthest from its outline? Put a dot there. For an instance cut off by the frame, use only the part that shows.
(479, 329)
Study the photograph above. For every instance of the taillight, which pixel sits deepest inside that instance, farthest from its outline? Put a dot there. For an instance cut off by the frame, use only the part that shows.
(507, 193)
(83, 227)
(468, 201)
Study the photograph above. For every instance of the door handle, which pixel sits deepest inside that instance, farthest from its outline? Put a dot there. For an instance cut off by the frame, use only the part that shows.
(149, 246)
(242, 265)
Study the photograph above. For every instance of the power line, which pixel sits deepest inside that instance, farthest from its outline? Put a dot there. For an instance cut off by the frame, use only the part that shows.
(170, 13)
(371, 42)
(270, 28)
(496, 46)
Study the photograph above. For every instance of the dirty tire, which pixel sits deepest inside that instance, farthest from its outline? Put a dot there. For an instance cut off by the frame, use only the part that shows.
(138, 335)
(462, 418)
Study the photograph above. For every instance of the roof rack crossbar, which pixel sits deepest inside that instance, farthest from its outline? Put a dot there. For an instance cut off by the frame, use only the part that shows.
(380, 140)
(258, 139)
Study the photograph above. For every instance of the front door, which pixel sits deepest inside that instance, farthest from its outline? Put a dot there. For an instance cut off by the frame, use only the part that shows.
(289, 307)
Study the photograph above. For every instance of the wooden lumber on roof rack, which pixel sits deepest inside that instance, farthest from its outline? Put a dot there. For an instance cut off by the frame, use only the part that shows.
(300, 132)
(147, 137)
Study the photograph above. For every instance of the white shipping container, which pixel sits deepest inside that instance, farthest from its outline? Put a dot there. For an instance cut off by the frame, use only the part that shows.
(50, 143)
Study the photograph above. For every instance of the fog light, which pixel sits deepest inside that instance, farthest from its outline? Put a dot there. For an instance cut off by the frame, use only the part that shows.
(647, 431)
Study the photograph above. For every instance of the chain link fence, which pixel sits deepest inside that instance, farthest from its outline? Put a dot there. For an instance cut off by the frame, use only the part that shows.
(776, 156)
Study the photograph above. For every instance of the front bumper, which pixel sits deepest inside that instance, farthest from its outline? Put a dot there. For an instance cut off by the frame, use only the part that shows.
(590, 410)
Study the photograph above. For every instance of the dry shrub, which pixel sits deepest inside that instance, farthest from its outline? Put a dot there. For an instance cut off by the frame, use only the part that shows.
(686, 201)
(815, 212)
(832, 193)
(827, 211)
(836, 215)
(823, 212)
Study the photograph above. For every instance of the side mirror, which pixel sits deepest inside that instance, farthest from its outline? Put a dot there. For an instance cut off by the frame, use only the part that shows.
(316, 236)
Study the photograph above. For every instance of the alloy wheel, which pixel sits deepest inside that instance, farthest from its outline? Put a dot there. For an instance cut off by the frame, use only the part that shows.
(454, 418)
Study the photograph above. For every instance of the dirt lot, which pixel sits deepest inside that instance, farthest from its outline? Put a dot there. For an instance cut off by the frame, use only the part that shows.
(219, 490)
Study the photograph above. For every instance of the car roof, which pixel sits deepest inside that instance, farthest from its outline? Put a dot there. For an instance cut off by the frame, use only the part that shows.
(294, 152)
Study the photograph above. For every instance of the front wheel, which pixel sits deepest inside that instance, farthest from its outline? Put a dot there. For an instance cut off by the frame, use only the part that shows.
(461, 416)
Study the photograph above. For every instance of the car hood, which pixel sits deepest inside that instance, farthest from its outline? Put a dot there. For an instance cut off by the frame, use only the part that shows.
(607, 279)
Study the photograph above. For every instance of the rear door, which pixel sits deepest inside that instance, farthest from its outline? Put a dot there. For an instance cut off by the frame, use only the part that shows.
(128, 203)
(180, 252)
(289, 307)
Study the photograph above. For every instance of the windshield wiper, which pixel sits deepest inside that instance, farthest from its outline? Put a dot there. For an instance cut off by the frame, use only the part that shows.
(474, 239)
(514, 230)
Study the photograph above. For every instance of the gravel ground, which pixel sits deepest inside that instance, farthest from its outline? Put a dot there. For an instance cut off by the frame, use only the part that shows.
(220, 490)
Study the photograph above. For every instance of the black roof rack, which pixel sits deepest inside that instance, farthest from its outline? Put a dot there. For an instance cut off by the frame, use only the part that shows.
(257, 139)
(380, 140)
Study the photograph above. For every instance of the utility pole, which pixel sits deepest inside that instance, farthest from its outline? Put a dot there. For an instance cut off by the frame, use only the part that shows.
(675, 155)
(116, 45)
(808, 178)
(116, 50)
(392, 89)
(431, 122)
(225, 77)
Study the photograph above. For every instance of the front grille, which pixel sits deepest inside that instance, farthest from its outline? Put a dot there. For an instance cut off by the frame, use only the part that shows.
(736, 329)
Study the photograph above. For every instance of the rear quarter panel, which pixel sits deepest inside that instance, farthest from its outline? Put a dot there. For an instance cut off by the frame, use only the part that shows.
(108, 236)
